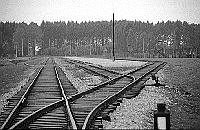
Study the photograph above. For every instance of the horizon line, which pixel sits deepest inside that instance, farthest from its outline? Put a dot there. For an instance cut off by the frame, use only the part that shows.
(39, 22)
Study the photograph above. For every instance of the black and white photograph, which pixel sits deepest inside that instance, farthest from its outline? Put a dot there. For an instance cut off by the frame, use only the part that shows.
(100, 64)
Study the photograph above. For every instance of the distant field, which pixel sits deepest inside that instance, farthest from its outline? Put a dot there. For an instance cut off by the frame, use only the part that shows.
(9, 75)
(13, 72)
(132, 58)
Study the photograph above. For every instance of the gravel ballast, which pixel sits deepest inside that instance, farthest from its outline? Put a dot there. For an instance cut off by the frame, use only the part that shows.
(137, 113)
(81, 80)
(109, 62)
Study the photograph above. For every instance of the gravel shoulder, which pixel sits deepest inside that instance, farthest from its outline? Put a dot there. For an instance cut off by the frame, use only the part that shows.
(181, 95)
(137, 113)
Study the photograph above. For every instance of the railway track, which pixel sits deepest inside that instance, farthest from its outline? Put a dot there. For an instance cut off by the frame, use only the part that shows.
(95, 69)
(12, 102)
(43, 104)
(51, 101)
(90, 107)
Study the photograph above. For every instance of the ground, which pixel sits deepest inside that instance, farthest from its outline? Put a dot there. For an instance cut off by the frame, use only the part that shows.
(109, 62)
(14, 76)
(181, 93)
(82, 82)
(136, 113)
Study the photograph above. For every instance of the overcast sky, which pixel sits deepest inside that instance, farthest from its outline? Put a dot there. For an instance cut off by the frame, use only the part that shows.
(97, 10)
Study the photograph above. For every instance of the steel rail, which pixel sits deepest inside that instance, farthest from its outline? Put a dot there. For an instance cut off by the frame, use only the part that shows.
(137, 59)
(98, 67)
(111, 81)
(23, 123)
(89, 64)
(73, 62)
(114, 97)
(21, 101)
(66, 102)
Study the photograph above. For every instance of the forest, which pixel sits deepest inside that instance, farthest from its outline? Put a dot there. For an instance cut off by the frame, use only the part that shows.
(171, 39)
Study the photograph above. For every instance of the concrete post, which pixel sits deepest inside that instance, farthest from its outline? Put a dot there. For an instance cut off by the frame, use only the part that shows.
(161, 117)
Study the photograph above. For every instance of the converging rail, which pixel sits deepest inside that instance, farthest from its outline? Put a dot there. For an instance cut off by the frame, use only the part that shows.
(51, 101)
(88, 107)
(44, 103)
(93, 119)
(101, 71)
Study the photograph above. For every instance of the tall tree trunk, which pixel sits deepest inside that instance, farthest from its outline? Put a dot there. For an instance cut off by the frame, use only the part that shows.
(34, 48)
(65, 52)
(136, 49)
(148, 50)
(196, 52)
(76, 49)
(70, 48)
(90, 48)
(28, 48)
(16, 51)
(49, 43)
(143, 48)
(55, 44)
(22, 48)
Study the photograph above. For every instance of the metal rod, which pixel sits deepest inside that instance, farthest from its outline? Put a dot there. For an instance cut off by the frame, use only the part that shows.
(113, 38)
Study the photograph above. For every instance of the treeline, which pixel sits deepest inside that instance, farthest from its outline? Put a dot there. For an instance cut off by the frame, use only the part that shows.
(132, 38)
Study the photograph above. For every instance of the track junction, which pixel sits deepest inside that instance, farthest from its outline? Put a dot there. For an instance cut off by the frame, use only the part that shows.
(51, 101)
